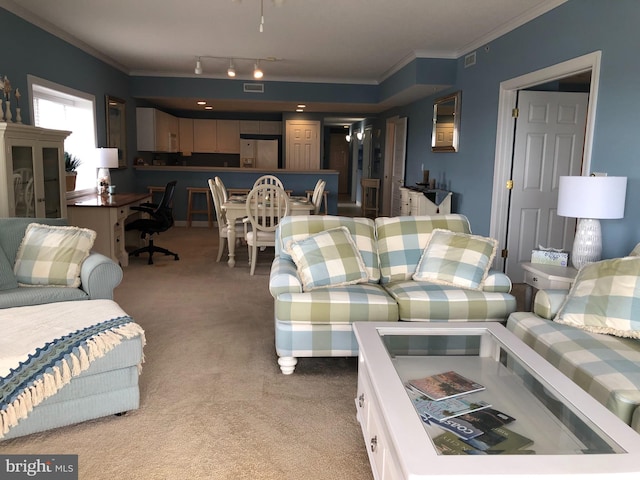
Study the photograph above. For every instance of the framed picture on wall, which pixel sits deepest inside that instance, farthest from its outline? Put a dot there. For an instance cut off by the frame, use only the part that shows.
(117, 128)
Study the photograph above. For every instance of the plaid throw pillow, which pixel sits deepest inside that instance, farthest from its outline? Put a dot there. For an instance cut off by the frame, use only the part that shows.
(605, 298)
(51, 255)
(458, 259)
(328, 258)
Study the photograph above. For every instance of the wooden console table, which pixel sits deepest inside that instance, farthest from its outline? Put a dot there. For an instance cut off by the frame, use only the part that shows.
(107, 215)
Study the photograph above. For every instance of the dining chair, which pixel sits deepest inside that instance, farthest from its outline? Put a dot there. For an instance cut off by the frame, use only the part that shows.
(269, 180)
(316, 198)
(222, 189)
(266, 205)
(223, 225)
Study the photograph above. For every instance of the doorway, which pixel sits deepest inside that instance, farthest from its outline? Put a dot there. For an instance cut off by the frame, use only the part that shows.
(505, 138)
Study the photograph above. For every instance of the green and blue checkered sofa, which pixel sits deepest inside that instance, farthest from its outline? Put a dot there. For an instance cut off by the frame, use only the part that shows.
(592, 334)
(318, 323)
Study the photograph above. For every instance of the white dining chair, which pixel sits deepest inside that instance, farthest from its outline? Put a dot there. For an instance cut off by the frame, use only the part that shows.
(316, 197)
(223, 226)
(222, 189)
(266, 205)
(268, 180)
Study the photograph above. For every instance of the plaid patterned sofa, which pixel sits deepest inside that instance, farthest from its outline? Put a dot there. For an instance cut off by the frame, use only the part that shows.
(317, 323)
(603, 361)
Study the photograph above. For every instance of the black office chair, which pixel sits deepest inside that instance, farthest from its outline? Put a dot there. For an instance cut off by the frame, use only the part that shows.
(161, 220)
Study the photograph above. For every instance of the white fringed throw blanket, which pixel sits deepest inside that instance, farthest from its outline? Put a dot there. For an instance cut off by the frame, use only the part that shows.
(42, 347)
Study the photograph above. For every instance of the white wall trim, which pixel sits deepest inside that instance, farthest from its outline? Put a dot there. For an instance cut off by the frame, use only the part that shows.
(505, 133)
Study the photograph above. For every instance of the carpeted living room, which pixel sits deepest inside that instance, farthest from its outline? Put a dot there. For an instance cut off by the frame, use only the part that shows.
(437, 267)
(214, 403)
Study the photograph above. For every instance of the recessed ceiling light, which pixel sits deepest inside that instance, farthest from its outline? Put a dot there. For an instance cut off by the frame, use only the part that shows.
(302, 106)
(208, 107)
(299, 110)
(201, 102)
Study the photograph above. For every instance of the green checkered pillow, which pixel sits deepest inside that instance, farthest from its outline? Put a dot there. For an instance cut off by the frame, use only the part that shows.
(605, 298)
(51, 255)
(458, 259)
(328, 258)
(402, 240)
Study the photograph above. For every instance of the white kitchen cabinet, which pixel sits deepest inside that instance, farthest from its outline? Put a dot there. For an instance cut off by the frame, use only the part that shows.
(205, 136)
(157, 131)
(32, 172)
(260, 127)
(185, 135)
(228, 136)
(216, 136)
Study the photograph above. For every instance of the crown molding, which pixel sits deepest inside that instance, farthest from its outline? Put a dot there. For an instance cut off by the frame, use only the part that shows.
(516, 22)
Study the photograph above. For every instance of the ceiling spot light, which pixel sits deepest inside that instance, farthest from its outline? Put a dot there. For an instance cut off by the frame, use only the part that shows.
(208, 107)
(257, 73)
(299, 110)
(198, 69)
(201, 102)
(231, 71)
(302, 106)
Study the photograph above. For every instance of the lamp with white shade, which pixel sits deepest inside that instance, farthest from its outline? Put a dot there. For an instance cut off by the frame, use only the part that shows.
(590, 199)
(107, 158)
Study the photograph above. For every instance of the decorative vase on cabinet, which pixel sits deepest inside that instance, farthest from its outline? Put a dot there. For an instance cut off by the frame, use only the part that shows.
(32, 172)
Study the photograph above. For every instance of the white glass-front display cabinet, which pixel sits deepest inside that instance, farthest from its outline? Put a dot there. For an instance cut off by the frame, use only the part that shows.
(32, 169)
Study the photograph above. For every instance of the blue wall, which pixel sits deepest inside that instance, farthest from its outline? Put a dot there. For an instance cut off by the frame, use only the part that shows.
(575, 28)
(571, 30)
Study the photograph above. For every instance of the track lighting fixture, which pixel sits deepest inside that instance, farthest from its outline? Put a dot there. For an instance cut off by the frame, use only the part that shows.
(231, 70)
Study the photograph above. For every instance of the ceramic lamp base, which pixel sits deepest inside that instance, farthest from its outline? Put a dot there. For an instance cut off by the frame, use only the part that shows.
(103, 181)
(587, 245)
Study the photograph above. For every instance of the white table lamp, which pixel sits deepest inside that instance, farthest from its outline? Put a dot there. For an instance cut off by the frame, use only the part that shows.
(590, 199)
(107, 158)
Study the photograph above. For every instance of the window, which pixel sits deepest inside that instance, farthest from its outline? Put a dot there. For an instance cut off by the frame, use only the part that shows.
(62, 108)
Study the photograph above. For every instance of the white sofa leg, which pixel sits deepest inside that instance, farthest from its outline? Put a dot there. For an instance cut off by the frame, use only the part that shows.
(287, 364)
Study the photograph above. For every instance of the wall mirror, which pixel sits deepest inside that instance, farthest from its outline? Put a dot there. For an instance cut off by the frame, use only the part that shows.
(446, 123)
(117, 128)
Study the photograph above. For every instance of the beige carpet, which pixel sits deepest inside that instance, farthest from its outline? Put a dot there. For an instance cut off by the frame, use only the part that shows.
(214, 404)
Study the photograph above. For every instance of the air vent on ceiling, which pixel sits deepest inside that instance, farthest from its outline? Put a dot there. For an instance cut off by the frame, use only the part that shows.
(470, 60)
(253, 87)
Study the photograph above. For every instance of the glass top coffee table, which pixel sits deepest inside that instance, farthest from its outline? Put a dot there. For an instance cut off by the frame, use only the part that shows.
(558, 431)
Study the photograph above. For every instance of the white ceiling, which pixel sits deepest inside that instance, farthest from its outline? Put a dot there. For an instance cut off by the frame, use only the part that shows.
(331, 41)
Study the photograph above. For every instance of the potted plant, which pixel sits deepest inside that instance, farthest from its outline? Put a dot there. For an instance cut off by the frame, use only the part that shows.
(71, 163)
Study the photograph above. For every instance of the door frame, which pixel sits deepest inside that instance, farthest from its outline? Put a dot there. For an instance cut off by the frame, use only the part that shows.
(505, 133)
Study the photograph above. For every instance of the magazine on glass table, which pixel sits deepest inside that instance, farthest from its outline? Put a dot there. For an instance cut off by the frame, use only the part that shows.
(443, 409)
(445, 385)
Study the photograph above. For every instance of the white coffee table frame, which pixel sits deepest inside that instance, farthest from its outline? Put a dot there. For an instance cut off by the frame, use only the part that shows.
(399, 446)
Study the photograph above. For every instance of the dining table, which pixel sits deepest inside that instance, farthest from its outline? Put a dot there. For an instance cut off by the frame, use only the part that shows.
(235, 208)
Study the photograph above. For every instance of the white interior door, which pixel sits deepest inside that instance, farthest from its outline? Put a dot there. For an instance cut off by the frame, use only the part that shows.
(303, 145)
(549, 140)
(399, 157)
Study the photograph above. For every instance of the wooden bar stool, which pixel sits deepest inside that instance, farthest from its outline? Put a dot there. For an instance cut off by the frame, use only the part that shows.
(190, 210)
(154, 189)
(370, 188)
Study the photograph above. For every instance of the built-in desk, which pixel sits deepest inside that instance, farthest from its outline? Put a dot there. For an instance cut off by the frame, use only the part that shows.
(107, 215)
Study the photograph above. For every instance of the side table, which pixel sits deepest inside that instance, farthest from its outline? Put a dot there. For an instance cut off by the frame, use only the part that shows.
(541, 276)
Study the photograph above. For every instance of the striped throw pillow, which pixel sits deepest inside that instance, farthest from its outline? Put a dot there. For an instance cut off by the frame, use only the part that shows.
(457, 259)
(328, 258)
(52, 255)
